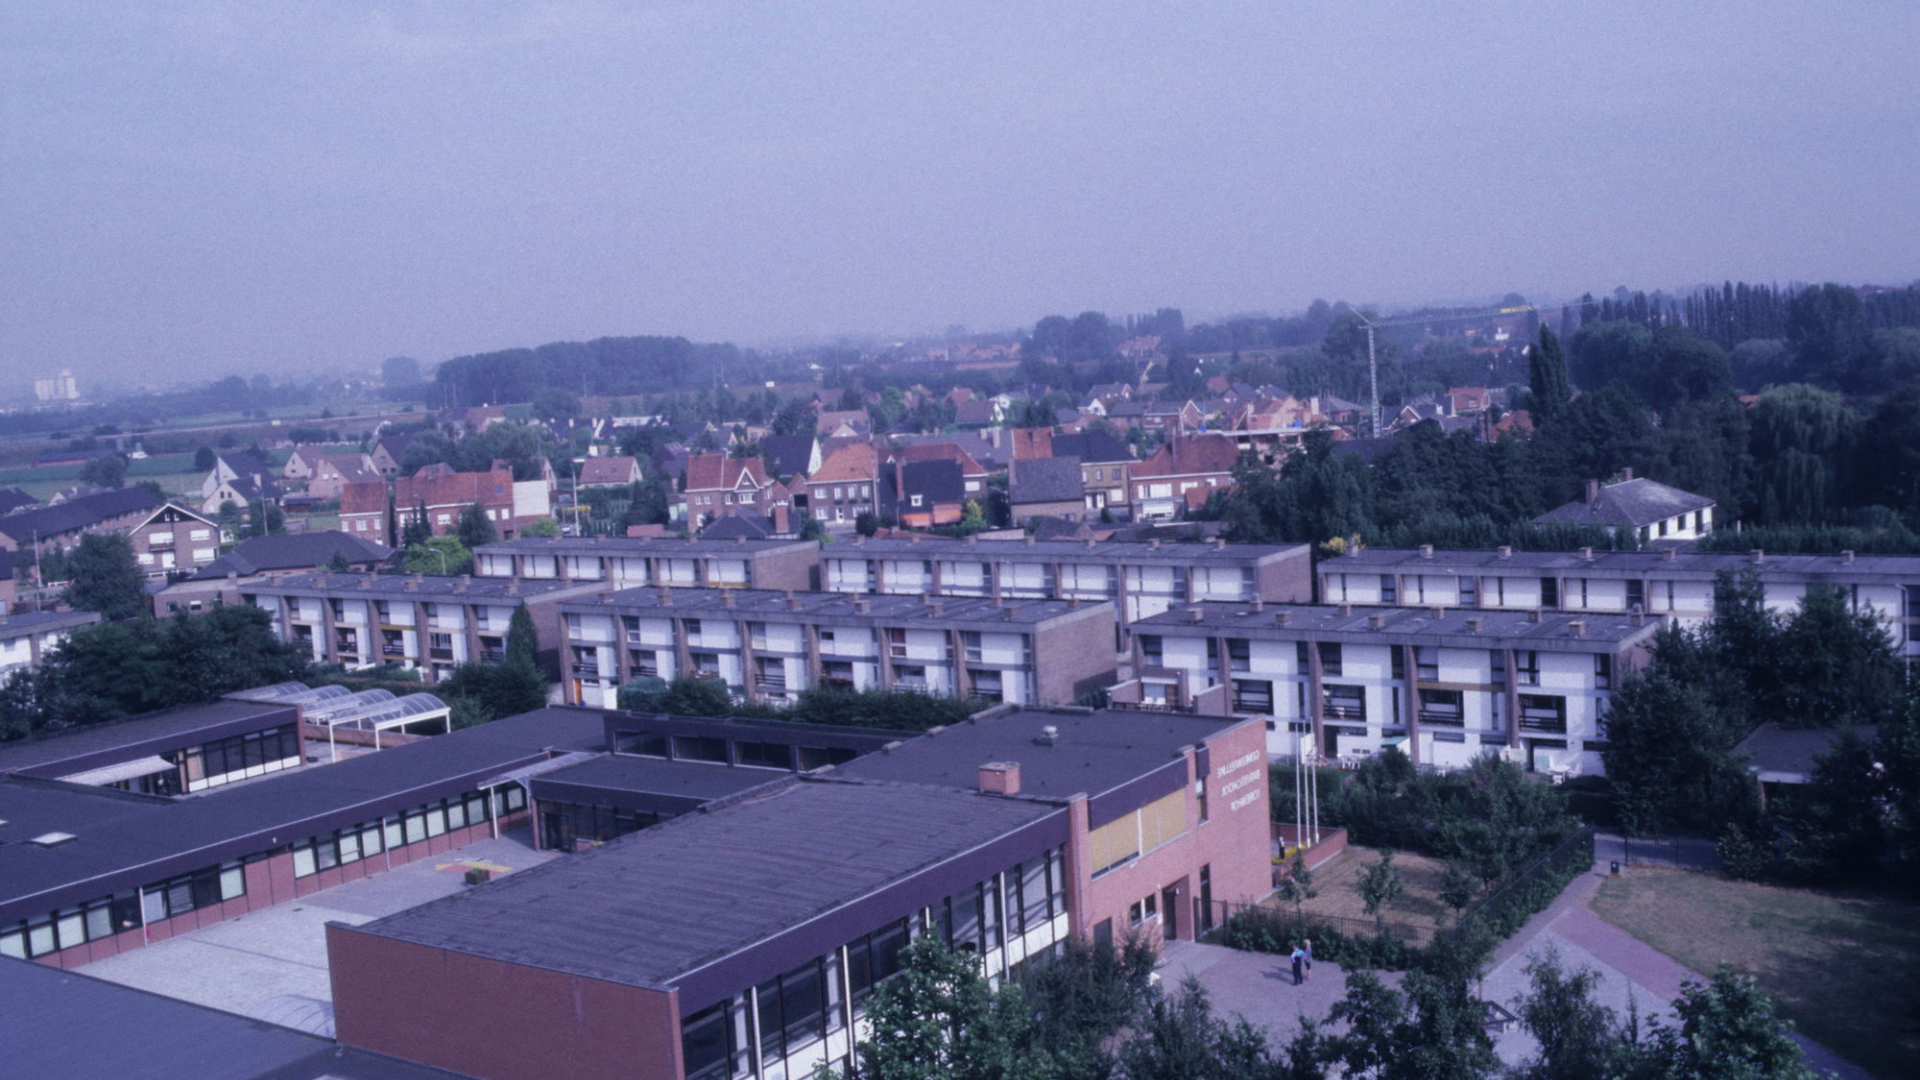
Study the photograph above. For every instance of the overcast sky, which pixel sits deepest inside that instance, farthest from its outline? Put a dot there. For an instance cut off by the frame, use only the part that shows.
(200, 188)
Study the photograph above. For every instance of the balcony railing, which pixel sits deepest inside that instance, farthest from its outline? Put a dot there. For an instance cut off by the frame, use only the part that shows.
(1552, 725)
(1450, 718)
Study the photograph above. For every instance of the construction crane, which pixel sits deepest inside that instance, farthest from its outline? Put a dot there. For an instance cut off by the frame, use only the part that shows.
(1373, 365)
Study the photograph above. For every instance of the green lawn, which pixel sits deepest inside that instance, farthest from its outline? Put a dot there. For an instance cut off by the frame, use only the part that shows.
(1338, 886)
(1842, 965)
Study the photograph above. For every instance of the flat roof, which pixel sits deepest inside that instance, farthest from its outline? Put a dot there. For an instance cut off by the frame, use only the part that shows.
(638, 546)
(22, 623)
(132, 841)
(1554, 631)
(630, 773)
(1095, 752)
(1066, 550)
(403, 586)
(176, 728)
(655, 905)
(837, 606)
(1625, 563)
(64, 1024)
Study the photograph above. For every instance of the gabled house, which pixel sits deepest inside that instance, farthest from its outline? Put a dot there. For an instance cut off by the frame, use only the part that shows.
(1126, 414)
(444, 496)
(12, 498)
(1032, 442)
(1046, 487)
(973, 475)
(363, 512)
(839, 423)
(174, 538)
(1172, 417)
(331, 474)
(1181, 475)
(242, 492)
(301, 463)
(1104, 466)
(986, 412)
(1468, 400)
(609, 472)
(234, 465)
(931, 492)
(848, 483)
(390, 452)
(718, 485)
(790, 455)
(61, 526)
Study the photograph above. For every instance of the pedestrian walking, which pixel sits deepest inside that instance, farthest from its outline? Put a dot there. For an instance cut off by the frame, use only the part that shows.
(1306, 957)
(1299, 965)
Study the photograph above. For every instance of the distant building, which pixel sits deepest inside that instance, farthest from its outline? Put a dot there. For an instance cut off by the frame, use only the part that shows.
(174, 538)
(60, 387)
(26, 636)
(1650, 510)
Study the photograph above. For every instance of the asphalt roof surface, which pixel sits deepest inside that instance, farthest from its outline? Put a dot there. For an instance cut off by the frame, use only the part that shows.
(1696, 564)
(659, 776)
(657, 904)
(93, 738)
(740, 603)
(389, 586)
(1099, 551)
(1095, 751)
(633, 546)
(1554, 630)
(21, 623)
(1631, 503)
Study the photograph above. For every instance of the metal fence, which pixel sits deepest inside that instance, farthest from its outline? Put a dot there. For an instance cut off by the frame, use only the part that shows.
(1572, 854)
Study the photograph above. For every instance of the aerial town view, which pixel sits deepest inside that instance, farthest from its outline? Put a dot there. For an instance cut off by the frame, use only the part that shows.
(653, 540)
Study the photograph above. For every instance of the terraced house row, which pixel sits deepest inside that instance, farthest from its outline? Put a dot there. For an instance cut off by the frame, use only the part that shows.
(769, 646)
(1670, 583)
(1444, 685)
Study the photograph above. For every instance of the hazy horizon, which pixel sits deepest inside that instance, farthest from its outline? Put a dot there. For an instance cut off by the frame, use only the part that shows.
(212, 187)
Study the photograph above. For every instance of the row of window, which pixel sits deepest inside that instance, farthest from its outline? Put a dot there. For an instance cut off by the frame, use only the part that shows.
(370, 838)
(240, 756)
(1333, 661)
(77, 925)
(766, 755)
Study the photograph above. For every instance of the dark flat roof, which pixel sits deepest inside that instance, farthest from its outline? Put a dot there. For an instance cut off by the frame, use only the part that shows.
(139, 841)
(657, 904)
(1625, 563)
(1405, 626)
(61, 1025)
(834, 606)
(391, 586)
(634, 546)
(22, 623)
(170, 729)
(1096, 752)
(703, 780)
(1105, 551)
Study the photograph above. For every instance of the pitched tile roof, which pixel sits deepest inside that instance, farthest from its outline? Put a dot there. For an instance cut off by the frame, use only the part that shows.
(293, 551)
(76, 514)
(12, 498)
(789, 453)
(933, 481)
(353, 468)
(943, 451)
(364, 498)
(1190, 455)
(618, 469)
(854, 461)
(708, 472)
(493, 488)
(1628, 504)
(1091, 446)
(1054, 479)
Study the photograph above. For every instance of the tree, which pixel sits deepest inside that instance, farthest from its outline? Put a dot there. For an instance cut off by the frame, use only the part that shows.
(106, 578)
(475, 527)
(546, 526)
(1728, 1030)
(1547, 378)
(796, 417)
(523, 644)
(416, 531)
(1835, 665)
(481, 693)
(204, 459)
(1435, 1031)
(1180, 1038)
(1579, 1038)
(1380, 884)
(1457, 888)
(107, 471)
(938, 1018)
(1669, 754)
(556, 405)
(1801, 437)
(1299, 887)
(399, 371)
(440, 555)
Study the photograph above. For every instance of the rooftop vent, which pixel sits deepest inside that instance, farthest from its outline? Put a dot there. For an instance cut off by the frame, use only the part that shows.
(1010, 611)
(793, 601)
(1000, 778)
(1088, 541)
(1153, 543)
(1377, 622)
(1437, 612)
(1474, 624)
(1426, 551)
(1219, 543)
(1534, 615)
(862, 605)
(1049, 736)
(1669, 554)
(1504, 551)
(666, 594)
(1846, 557)
(1345, 609)
(726, 598)
(1282, 618)
(1259, 605)
(970, 539)
(1759, 555)
(53, 839)
(1195, 613)
(1029, 538)
(739, 540)
(1578, 628)
(913, 539)
(1586, 553)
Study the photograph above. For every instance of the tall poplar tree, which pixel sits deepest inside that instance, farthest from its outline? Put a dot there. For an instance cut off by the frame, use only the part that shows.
(1547, 378)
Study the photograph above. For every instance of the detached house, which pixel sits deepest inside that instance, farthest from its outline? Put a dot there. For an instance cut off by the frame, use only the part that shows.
(389, 452)
(1104, 464)
(1181, 475)
(931, 493)
(718, 485)
(1046, 487)
(241, 479)
(331, 474)
(1646, 508)
(1172, 416)
(609, 472)
(847, 484)
(174, 538)
(363, 512)
(444, 496)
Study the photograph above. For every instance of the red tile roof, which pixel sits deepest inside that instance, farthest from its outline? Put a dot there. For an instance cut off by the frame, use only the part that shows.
(1190, 455)
(366, 497)
(455, 489)
(854, 461)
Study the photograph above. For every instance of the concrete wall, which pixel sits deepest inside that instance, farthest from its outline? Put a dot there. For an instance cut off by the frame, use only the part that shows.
(1074, 655)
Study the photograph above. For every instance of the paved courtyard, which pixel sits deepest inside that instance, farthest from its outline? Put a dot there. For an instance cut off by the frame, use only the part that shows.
(1260, 987)
(272, 964)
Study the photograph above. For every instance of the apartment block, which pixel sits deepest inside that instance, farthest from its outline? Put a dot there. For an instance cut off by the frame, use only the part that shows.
(1669, 583)
(432, 624)
(630, 562)
(27, 636)
(1443, 685)
(1140, 579)
(769, 645)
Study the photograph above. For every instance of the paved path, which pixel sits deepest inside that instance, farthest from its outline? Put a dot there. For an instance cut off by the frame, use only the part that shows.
(1260, 987)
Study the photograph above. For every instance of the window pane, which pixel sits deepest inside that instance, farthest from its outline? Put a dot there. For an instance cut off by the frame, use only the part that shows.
(416, 828)
(349, 847)
(14, 944)
(370, 844)
(179, 897)
(73, 930)
(391, 828)
(772, 1046)
(802, 1005)
(156, 905)
(40, 939)
(303, 865)
(436, 821)
(456, 815)
(99, 922)
(326, 854)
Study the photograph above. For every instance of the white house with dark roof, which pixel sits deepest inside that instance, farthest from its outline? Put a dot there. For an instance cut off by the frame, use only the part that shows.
(1651, 510)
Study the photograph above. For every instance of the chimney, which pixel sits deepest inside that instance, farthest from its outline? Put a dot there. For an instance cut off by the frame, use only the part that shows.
(1195, 614)
(1639, 617)
(1426, 551)
(1376, 622)
(1009, 611)
(970, 539)
(1626, 474)
(1759, 555)
(1593, 491)
(1029, 539)
(513, 586)
(858, 540)
(1282, 618)
(1846, 557)
(1578, 628)
(1088, 542)
(1534, 615)
(1586, 553)
(1259, 605)
(1219, 543)
(914, 539)
(1000, 778)
(862, 605)
(793, 601)
(726, 598)
(412, 584)
(1474, 624)
(1153, 543)
(461, 585)
(935, 608)
(1504, 551)
(666, 595)
(1346, 609)
(739, 540)
(365, 583)
(1669, 554)
(1437, 611)
(781, 521)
